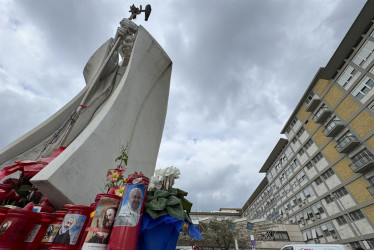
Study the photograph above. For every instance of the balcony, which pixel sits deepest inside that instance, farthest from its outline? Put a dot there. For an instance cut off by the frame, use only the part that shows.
(322, 114)
(313, 104)
(347, 143)
(371, 189)
(363, 164)
(333, 128)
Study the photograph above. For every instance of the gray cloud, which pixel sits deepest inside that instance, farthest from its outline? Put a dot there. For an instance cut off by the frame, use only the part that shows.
(239, 69)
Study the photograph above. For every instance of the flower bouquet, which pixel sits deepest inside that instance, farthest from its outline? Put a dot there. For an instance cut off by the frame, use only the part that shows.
(115, 178)
(166, 213)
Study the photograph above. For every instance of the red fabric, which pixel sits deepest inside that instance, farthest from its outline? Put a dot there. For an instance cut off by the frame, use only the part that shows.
(30, 168)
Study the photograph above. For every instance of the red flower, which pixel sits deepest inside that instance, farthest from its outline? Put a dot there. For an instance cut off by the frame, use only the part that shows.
(6, 187)
(112, 191)
(3, 193)
(45, 202)
(29, 206)
(12, 195)
(11, 180)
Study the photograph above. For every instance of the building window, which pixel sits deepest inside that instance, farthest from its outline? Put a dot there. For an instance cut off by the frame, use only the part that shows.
(318, 180)
(269, 177)
(318, 209)
(328, 173)
(329, 199)
(281, 236)
(355, 244)
(283, 159)
(309, 165)
(293, 182)
(341, 220)
(301, 152)
(317, 158)
(308, 144)
(273, 171)
(288, 171)
(308, 191)
(293, 202)
(371, 106)
(293, 122)
(327, 229)
(344, 143)
(361, 59)
(301, 176)
(288, 152)
(371, 183)
(309, 98)
(334, 123)
(341, 192)
(278, 182)
(287, 206)
(300, 198)
(348, 76)
(320, 112)
(363, 88)
(294, 164)
(294, 140)
(288, 130)
(300, 132)
(362, 158)
(371, 243)
(356, 215)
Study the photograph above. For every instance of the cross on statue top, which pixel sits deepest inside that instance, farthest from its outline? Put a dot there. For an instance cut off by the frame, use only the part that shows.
(136, 11)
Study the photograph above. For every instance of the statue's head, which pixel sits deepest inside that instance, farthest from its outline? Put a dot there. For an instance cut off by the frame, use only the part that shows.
(126, 47)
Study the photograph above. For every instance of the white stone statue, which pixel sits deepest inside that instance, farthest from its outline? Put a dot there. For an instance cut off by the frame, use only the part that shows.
(123, 103)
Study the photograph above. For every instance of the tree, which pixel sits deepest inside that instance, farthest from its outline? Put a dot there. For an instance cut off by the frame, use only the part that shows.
(217, 234)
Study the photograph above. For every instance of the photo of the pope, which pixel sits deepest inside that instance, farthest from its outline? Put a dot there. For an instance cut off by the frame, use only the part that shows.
(129, 212)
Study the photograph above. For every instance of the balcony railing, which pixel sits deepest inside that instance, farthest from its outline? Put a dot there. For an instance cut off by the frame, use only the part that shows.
(347, 143)
(333, 128)
(363, 164)
(371, 189)
(321, 115)
(313, 104)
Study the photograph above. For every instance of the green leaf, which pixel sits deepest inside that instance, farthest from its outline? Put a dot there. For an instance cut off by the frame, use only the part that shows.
(155, 214)
(172, 200)
(176, 211)
(173, 191)
(186, 205)
(158, 204)
(161, 193)
(181, 193)
(25, 188)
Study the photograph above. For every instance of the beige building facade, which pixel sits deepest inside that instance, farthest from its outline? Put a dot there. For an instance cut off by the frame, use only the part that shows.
(321, 177)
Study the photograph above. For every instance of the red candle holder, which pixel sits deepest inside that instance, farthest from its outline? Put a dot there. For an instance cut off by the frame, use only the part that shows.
(72, 228)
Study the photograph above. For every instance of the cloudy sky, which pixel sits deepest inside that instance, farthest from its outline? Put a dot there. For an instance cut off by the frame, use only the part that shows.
(239, 69)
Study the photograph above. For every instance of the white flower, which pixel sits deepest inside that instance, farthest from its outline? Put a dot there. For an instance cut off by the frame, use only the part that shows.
(164, 178)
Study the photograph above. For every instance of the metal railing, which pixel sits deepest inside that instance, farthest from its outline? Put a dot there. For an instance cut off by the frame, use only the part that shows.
(345, 141)
(332, 125)
(361, 162)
